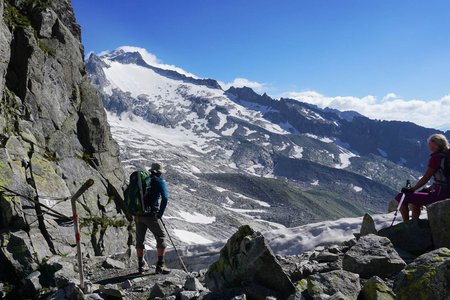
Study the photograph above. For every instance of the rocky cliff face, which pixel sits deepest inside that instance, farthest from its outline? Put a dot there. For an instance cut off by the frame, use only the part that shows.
(53, 137)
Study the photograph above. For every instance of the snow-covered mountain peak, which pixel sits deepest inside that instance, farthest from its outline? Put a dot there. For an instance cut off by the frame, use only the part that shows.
(148, 57)
(237, 155)
(128, 55)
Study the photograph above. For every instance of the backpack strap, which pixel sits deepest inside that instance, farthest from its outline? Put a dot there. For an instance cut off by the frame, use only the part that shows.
(141, 191)
(443, 174)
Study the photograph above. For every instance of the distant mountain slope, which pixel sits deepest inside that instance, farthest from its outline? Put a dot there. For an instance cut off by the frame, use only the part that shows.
(403, 143)
(205, 134)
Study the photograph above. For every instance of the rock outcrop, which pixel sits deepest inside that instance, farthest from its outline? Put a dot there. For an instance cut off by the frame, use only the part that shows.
(426, 278)
(413, 237)
(440, 223)
(53, 137)
(376, 289)
(368, 226)
(246, 261)
(373, 255)
(333, 283)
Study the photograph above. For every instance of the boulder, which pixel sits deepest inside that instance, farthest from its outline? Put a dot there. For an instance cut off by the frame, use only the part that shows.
(338, 296)
(32, 284)
(227, 294)
(93, 297)
(164, 289)
(325, 285)
(111, 290)
(193, 284)
(110, 263)
(301, 290)
(311, 262)
(326, 256)
(413, 236)
(245, 261)
(58, 271)
(440, 223)
(368, 226)
(392, 206)
(126, 284)
(16, 258)
(376, 289)
(425, 278)
(373, 255)
(187, 295)
(70, 291)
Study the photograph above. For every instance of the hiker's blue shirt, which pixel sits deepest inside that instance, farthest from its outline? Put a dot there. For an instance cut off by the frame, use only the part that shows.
(157, 190)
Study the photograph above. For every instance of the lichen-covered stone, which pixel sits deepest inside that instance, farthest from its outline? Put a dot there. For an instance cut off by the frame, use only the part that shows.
(373, 255)
(330, 283)
(425, 278)
(413, 236)
(376, 289)
(247, 259)
(16, 257)
(438, 216)
(368, 226)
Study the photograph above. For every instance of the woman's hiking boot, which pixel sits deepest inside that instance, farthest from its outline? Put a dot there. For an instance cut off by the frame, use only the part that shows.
(161, 268)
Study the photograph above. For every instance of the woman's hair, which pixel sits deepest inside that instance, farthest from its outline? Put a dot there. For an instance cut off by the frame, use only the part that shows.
(440, 140)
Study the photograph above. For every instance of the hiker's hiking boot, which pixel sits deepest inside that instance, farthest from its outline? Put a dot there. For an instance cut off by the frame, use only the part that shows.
(162, 269)
(142, 267)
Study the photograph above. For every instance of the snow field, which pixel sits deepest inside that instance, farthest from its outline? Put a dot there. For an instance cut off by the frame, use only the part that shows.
(191, 237)
(195, 218)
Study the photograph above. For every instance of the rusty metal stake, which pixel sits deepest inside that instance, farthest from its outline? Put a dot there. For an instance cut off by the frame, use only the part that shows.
(73, 200)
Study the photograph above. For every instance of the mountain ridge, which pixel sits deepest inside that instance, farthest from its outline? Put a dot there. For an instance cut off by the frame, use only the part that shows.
(199, 131)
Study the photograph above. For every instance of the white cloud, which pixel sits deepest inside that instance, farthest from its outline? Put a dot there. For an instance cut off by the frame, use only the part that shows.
(153, 60)
(241, 82)
(433, 114)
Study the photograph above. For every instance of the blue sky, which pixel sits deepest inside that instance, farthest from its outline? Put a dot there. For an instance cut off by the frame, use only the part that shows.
(335, 48)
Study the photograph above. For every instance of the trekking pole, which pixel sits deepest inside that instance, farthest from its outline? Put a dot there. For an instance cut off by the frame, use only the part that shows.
(173, 244)
(73, 200)
(408, 184)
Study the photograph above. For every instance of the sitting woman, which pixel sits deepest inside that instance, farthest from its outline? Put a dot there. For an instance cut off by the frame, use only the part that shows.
(440, 190)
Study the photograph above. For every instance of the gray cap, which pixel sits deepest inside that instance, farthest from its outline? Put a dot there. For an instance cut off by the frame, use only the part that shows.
(157, 167)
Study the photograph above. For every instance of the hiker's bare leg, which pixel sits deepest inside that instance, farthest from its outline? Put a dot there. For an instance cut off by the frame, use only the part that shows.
(404, 210)
(161, 251)
(140, 252)
(415, 211)
(160, 265)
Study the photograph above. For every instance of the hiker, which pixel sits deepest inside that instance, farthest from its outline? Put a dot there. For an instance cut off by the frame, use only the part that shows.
(439, 190)
(151, 220)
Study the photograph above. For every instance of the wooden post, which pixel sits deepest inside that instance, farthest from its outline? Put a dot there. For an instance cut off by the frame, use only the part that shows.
(73, 200)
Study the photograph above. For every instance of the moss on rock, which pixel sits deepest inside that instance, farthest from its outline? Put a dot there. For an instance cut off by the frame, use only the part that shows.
(301, 286)
(104, 222)
(231, 249)
(14, 18)
(333, 282)
(48, 182)
(420, 279)
(376, 289)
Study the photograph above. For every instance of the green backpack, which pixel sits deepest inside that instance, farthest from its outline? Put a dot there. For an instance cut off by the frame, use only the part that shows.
(136, 191)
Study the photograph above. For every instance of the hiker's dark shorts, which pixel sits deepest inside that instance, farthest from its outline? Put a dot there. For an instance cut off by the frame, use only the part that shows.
(154, 225)
(437, 193)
